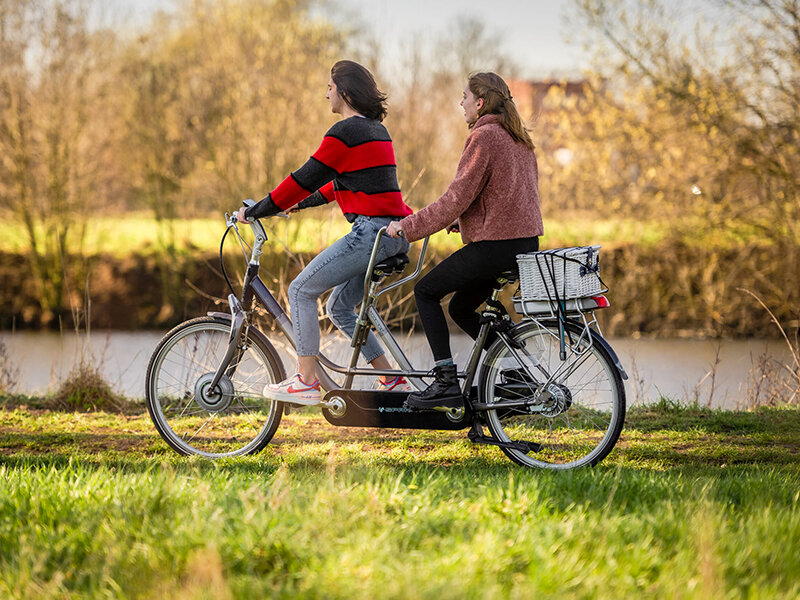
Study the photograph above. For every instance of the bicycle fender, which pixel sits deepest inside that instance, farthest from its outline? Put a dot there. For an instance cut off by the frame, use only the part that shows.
(599, 339)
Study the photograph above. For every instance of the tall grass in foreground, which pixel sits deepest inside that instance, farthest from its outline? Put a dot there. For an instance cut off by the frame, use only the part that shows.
(691, 504)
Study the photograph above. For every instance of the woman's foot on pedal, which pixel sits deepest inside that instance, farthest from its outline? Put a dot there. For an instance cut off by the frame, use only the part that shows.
(294, 390)
(398, 384)
(444, 392)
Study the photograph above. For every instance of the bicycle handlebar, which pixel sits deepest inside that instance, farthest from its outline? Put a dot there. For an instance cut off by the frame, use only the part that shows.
(232, 220)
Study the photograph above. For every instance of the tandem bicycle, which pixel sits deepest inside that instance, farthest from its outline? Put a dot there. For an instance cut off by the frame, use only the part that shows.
(548, 391)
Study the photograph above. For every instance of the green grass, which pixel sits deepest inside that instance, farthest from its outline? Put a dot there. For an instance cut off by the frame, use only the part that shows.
(313, 231)
(692, 503)
(136, 233)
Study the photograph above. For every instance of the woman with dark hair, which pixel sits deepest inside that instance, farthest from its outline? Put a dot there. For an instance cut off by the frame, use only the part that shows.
(354, 166)
(494, 202)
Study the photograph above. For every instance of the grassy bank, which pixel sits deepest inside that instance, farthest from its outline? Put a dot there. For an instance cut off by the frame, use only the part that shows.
(662, 282)
(310, 232)
(691, 504)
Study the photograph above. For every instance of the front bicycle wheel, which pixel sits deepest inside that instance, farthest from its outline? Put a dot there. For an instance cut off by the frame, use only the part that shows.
(572, 410)
(234, 421)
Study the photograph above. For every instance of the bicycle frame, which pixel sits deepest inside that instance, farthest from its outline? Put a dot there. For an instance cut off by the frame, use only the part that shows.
(254, 288)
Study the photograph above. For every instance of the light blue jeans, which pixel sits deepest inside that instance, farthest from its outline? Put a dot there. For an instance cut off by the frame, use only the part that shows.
(342, 266)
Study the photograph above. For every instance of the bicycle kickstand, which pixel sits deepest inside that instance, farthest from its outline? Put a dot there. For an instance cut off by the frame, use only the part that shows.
(476, 436)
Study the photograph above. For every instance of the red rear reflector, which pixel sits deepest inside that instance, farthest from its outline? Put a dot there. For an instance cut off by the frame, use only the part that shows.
(601, 301)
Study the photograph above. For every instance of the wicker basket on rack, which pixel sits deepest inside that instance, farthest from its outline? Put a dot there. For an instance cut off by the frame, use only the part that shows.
(560, 274)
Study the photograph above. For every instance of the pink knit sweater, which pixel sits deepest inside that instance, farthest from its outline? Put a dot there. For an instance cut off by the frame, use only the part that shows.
(494, 195)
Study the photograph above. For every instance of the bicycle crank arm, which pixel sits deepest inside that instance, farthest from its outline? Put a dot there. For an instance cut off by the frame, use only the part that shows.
(476, 437)
(237, 321)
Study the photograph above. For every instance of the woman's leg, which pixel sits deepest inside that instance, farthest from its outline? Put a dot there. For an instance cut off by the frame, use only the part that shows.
(341, 310)
(341, 307)
(465, 301)
(303, 293)
(327, 270)
(343, 263)
(453, 273)
(470, 272)
(461, 270)
(342, 303)
(303, 387)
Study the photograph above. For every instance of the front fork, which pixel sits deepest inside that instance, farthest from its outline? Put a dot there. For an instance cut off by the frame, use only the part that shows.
(238, 320)
(233, 353)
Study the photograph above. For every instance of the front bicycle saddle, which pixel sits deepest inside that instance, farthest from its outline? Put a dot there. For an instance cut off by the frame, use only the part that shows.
(392, 264)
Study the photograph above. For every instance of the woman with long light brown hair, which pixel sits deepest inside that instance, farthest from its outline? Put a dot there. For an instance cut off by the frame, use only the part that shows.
(494, 202)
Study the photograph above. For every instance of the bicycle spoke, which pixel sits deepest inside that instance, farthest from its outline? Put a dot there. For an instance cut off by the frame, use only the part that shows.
(201, 428)
(578, 409)
(236, 418)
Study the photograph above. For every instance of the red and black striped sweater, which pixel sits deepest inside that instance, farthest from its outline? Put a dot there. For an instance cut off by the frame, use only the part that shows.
(354, 166)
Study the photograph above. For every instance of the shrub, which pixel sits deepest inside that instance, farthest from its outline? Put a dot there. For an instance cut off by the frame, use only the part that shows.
(85, 390)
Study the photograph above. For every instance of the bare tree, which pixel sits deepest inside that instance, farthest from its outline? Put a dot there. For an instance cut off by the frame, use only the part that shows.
(55, 133)
(691, 119)
(729, 96)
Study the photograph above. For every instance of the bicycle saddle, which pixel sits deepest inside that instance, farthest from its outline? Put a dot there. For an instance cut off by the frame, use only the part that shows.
(393, 263)
(512, 275)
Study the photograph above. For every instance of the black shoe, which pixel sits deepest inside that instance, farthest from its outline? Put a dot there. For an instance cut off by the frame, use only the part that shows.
(444, 392)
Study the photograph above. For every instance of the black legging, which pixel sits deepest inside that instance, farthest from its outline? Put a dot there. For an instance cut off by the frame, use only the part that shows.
(470, 273)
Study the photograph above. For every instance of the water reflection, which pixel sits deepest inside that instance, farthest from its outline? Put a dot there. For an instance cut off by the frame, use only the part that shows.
(682, 370)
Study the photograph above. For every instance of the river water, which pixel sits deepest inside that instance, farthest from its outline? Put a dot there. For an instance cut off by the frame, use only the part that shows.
(715, 373)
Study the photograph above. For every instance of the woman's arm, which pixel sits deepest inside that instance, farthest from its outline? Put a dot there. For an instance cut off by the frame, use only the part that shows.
(319, 198)
(266, 207)
(317, 174)
(471, 176)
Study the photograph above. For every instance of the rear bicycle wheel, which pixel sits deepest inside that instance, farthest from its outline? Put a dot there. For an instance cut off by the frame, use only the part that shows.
(574, 409)
(236, 419)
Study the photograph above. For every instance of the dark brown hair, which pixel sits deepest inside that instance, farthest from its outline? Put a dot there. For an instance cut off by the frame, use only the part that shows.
(497, 100)
(358, 88)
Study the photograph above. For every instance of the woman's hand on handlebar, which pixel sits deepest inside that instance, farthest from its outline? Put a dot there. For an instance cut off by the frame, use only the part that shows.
(453, 227)
(394, 230)
(240, 215)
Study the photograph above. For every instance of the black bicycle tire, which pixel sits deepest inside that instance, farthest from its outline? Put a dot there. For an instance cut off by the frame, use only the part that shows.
(255, 336)
(612, 436)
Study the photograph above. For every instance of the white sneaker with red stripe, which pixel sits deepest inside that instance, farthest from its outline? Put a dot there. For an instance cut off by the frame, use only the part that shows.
(398, 384)
(294, 390)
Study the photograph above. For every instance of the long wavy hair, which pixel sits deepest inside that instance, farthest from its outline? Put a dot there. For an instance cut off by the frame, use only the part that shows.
(497, 100)
(358, 88)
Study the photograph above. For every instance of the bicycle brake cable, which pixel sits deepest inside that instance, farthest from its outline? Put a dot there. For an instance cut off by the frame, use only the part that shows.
(222, 262)
(242, 245)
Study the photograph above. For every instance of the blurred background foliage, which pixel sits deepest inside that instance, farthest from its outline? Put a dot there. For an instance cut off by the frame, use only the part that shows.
(678, 151)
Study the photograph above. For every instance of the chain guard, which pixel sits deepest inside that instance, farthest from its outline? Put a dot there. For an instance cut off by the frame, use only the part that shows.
(367, 408)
